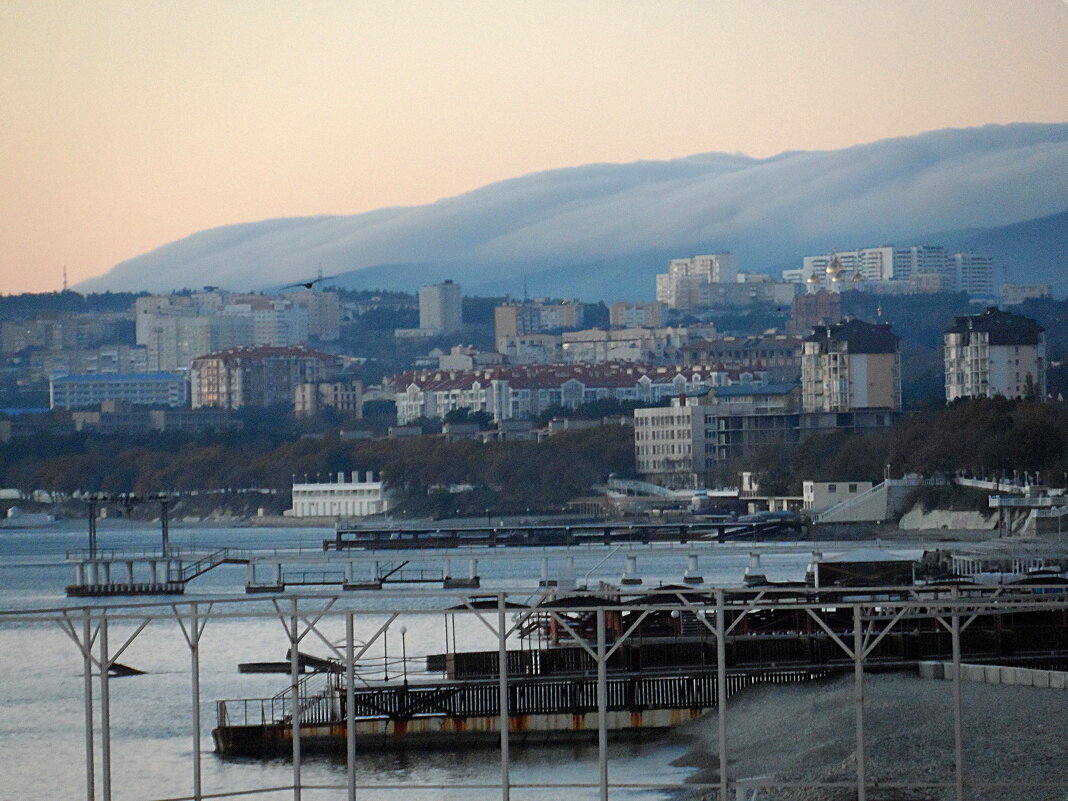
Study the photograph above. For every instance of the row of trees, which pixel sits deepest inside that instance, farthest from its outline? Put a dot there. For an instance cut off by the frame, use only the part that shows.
(982, 436)
(507, 477)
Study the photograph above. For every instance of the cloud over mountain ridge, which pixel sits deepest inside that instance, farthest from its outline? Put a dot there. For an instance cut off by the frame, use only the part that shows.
(626, 217)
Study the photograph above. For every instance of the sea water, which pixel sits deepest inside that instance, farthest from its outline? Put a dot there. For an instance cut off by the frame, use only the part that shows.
(41, 684)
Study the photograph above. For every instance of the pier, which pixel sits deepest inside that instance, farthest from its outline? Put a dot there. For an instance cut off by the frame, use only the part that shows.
(598, 665)
(379, 537)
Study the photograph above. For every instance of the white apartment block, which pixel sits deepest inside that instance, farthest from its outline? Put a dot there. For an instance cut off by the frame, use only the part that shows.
(531, 348)
(972, 273)
(350, 497)
(995, 353)
(441, 308)
(850, 365)
(141, 389)
(175, 329)
(888, 269)
(636, 315)
(680, 287)
(595, 345)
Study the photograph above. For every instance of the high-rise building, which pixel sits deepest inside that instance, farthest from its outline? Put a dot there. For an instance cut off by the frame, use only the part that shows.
(995, 353)
(681, 286)
(972, 273)
(851, 365)
(915, 268)
(441, 308)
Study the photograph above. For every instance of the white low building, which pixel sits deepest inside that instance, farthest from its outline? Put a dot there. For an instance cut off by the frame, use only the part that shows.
(820, 495)
(341, 497)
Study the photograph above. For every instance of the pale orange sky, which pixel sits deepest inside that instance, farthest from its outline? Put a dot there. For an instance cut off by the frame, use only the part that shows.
(126, 125)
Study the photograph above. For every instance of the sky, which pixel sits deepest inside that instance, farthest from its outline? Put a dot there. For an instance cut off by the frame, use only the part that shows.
(127, 125)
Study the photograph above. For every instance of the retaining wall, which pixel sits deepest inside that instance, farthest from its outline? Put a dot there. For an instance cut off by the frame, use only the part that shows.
(997, 674)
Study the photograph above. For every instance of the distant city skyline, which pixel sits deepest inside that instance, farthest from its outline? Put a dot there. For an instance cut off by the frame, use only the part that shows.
(129, 125)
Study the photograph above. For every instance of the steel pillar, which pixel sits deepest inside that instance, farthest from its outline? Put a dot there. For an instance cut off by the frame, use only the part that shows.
(105, 711)
(858, 700)
(294, 683)
(502, 670)
(87, 667)
(958, 742)
(602, 707)
(721, 690)
(350, 712)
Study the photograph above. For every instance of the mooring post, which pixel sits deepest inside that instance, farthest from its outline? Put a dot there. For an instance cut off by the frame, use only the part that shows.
(721, 689)
(294, 682)
(105, 710)
(858, 699)
(350, 703)
(602, 706)
(502, 670)
(87, 667)
(958, 741)
(164, 523)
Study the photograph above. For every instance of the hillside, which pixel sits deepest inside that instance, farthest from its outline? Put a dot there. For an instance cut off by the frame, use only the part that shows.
(603, 230)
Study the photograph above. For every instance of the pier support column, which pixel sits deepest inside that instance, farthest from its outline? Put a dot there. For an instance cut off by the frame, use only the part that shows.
(94, 573)
(958, 743)
(294, 688)
(107, 572)
(858, 700)
(153, 569)
(130, 572)
(79, 570)
(87, 668)
(192, 638)
(602, 706)
(472, 569)
(105, 711)
(502, 670)
(721, 689)
(350, 704)
(630, 572)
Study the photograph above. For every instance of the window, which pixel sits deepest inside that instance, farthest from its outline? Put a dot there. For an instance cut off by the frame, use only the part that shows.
(832, 489)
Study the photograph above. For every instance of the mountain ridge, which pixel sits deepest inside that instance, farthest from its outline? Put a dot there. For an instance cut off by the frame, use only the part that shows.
(621, 222)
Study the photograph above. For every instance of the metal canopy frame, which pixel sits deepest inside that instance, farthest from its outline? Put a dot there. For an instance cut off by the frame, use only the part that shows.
(875, 612)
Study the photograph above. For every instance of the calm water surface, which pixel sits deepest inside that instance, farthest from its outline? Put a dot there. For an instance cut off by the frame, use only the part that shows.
(41, 703)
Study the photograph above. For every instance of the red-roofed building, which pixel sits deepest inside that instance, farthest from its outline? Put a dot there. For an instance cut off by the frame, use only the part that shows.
(524, 391)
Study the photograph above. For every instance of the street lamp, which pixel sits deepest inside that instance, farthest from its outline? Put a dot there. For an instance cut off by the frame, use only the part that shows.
(404, 653)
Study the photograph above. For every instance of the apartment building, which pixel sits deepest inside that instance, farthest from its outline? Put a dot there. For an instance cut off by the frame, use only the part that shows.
(536, 317)
(140, 389)
(259, 376)
(851, 365)
(995, 353)
(508, 393)
(441, 308)
(636, 315)
(778, 356)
